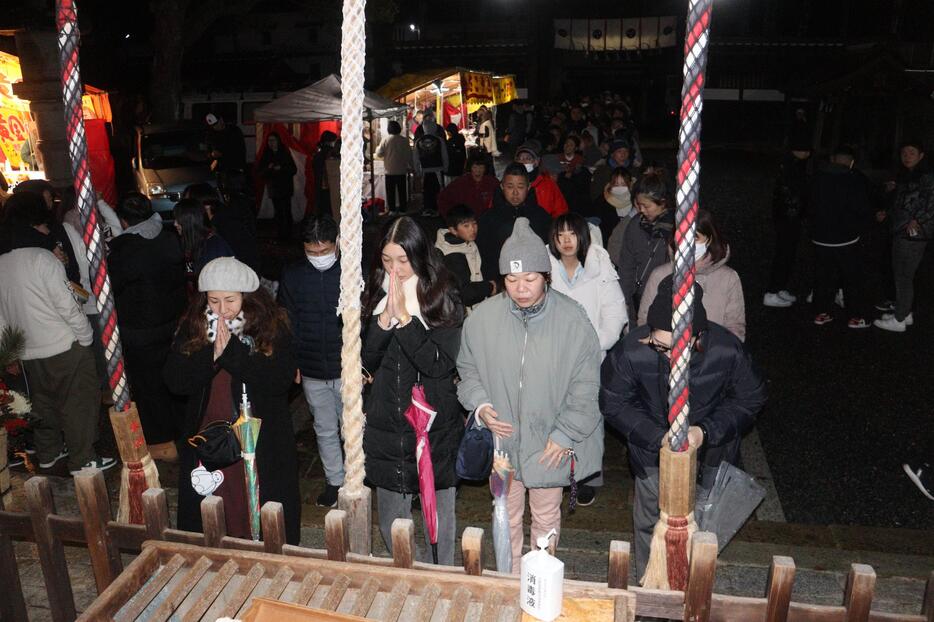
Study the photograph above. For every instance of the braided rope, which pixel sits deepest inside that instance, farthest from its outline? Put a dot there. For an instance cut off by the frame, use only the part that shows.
(692, 101)
(353, 57)
(68, 44)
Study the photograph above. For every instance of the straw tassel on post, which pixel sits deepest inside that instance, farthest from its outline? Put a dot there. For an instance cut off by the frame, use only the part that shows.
(138, 469)
(354, 496)
(668, 561)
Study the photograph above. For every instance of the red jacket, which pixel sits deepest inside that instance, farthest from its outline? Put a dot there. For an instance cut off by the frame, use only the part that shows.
(548, 195)
(476, 196)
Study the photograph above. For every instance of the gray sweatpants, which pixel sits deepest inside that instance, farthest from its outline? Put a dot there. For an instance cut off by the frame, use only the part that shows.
(66, 398)
(906, 257)
(392, 505)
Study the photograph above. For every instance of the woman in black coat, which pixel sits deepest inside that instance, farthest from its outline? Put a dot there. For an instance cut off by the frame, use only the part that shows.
(412, 335)
(232, 335)
(278, 168)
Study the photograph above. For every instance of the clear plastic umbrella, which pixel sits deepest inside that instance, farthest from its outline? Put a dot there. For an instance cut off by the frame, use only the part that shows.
(500, 481)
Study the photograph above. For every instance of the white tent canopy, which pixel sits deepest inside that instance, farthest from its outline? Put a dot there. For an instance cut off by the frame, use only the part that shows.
(321, 101)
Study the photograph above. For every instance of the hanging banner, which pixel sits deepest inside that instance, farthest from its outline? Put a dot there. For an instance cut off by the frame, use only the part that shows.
(667, 32)
(649, 33)
(477, 87)
(614, 34)
(504, 89)
(563, 34)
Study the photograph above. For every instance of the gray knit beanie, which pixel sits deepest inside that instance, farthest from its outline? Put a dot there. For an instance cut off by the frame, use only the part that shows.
(523, 251)
(226, 274)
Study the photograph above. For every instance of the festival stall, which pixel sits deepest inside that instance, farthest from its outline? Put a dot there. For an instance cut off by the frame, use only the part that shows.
(20, 160)
(452, 93)
(300, 118)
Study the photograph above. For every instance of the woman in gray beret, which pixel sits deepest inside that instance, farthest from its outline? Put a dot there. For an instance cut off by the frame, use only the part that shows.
(234, 338)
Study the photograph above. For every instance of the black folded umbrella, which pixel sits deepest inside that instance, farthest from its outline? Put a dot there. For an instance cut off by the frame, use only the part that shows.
(732, 499)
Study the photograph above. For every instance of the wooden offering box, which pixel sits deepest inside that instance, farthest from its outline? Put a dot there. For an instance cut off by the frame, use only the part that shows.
(189, 583)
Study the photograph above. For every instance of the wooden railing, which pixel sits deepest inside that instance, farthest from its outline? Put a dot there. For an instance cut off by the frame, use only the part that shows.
(105, 539)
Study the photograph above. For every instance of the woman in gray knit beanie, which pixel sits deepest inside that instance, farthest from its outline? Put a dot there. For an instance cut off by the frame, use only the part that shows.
(529, 365)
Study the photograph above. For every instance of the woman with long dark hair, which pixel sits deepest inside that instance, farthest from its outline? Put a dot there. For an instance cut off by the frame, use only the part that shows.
(234, 338)
(413, 320)
(200, 242)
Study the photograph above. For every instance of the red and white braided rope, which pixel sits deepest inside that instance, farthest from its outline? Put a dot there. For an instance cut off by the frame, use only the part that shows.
(68, 43)
(697, 34)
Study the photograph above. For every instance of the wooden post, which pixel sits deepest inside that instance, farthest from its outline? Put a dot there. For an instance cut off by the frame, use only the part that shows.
(213, 521)
(128, 432)
(778, 589)
(155, 513)
(403, 543)
(472, 548)
(51, 551)
(5, 486)
(860, 588)
(617, 576)
(91, 490)
(677, 472)
(336, 536)
(359, 515)
(12, 605)
(927, 606)
(700, 580)
(272, 518)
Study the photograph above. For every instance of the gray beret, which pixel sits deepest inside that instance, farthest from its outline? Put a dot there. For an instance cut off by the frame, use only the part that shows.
(226, 274)
(523, 251)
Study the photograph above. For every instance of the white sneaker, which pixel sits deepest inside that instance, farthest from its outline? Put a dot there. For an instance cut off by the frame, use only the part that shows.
(890, 323)
(775, 300)
(810, 297)
(48, 465)
(839, 299)
(101, 463)
(786, 295)
(909, 319)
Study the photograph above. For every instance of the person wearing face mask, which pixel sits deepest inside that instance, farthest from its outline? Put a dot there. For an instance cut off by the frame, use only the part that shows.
(412, 315)
(309, 291)
(618, 156)
(232, 339)
(723, 291)
(727, 392)
(645, 242)
(529, 366)
(615, 210)
(547, 193)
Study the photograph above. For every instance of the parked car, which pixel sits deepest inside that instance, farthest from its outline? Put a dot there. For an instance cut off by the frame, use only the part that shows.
(168, 159)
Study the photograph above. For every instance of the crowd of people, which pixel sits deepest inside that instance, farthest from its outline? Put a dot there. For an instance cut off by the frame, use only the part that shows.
(541, 307)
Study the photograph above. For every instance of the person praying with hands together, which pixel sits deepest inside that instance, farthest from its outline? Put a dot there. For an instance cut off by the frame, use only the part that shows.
(412, 316)
(529, 365)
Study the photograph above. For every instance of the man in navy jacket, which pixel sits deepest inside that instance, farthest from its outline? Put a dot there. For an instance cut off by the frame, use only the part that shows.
(309, 291)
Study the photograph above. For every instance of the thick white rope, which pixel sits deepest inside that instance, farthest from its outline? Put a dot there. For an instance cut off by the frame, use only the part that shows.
(353, 59)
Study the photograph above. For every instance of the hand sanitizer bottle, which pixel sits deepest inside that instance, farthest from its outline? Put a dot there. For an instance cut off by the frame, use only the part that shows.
(542, 585)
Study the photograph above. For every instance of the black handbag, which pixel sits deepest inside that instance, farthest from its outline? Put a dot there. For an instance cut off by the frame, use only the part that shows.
(216, 445)
(475, 454)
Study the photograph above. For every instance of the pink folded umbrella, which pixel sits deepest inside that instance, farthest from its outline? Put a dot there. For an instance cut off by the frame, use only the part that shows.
(421, 415)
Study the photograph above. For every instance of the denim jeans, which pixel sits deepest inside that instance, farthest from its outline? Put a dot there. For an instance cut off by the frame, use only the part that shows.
(906, 257)
(324, 401)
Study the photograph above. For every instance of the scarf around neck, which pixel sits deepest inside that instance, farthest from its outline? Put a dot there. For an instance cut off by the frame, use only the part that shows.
(235, 325)
(410, 289)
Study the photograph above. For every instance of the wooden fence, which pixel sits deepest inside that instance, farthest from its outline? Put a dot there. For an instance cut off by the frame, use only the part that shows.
(105, 539)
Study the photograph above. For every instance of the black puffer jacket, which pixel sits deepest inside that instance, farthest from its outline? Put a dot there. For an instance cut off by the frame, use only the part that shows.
(310, 297)
(496, 224)
(148, 279)
(727, 392)
(396, 358)
(839, 206)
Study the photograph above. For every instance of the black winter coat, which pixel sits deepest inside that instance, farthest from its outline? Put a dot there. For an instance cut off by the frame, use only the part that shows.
(395, 358)
(278, 181)
(310, 297)
(727, 392)
(839, 205)
(148, 280)
(496, 224)
(268, 380)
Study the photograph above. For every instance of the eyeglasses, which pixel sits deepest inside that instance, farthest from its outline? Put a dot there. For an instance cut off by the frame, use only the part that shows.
(659, 347)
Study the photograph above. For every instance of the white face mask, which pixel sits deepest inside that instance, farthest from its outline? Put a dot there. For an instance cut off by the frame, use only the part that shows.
(700, 249)
(529, 167)
(620, 191)
(324, 262)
